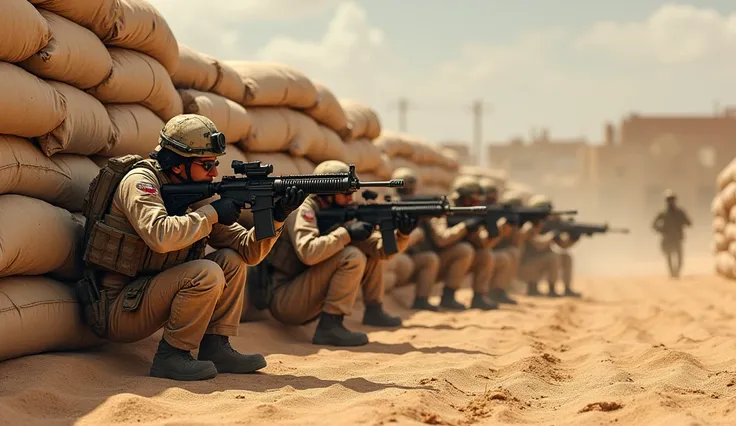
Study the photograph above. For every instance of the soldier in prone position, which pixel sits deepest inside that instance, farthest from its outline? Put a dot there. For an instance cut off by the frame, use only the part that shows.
(152, 268)
(318, 275)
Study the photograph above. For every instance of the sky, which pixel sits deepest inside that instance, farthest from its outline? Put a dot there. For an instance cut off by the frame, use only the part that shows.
(568, 66)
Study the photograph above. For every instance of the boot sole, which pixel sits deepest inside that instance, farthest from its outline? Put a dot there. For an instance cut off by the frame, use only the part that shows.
(210, 373)
(251, 367)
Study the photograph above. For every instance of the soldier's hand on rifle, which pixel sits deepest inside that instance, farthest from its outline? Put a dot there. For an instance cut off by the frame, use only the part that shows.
(505, 229)
(473, 223)
(359, 231)
(228, 210)
(291, 201)
(405, 223)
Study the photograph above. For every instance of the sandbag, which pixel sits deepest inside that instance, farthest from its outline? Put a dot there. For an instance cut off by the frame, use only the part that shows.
(136, 129)
(283, 163)
(365, 155)
(719, 224)
(363, 120)
(725, 264)
(30, 106)
(99, 16)
(23, 31)
(720, 242)
(139, 78)
(87, 128)
(62, 180)
(144, 29)
(232, 152)
(728, 196)
(329, 112)
(74, 55)
(726, 175)
(277, 129)
(328, 147)
(196, 70)
(730, 232)
(732, 249)
(395, 144)
(274, 84)
(716, 206)
(39, 314)
(22, 217)
(303, 165)
(229, 84)
(396, 163)
(230, 118)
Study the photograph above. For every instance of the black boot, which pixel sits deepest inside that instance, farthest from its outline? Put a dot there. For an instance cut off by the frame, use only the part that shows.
(552, 291)
(448, 300)
(375, 315)
(217, 349)
(422, 304)
(178, 364)
(330, 331)
(499, 295)
(532, 289)
(571, 293)
(480, 302)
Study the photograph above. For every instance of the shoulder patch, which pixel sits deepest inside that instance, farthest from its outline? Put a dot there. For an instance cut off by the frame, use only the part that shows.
(308, 215)
(146, 188)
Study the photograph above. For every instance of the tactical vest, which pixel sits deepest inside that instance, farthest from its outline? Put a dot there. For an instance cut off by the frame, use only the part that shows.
(110, 243)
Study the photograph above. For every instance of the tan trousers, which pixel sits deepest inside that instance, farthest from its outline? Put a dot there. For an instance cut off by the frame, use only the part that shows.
(330, 286)
(506, 266)
(188, 300)
(566, 269)
(482, 269)
(544, 266)
(421, 268)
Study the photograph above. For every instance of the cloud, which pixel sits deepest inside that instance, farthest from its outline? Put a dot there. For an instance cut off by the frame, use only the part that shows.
(673, 34)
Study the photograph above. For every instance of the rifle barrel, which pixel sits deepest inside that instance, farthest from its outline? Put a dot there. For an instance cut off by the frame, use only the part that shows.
(564, 212)
(393, 183)
(472, 209)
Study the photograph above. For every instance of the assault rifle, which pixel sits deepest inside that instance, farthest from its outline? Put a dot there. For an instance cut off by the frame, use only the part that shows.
(257, 190)
(514, 215)
(384, 215)
(579, 228)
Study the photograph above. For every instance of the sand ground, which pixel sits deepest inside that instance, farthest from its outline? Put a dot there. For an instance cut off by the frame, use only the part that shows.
(636, 350)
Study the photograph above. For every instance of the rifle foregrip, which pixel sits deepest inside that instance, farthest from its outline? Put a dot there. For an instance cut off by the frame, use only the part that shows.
(315, 185)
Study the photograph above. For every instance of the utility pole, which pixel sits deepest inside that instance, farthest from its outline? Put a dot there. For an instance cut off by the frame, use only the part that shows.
(403, 110)
(478, 131)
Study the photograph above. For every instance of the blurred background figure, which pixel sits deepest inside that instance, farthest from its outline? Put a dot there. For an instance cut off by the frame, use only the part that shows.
(670, 224)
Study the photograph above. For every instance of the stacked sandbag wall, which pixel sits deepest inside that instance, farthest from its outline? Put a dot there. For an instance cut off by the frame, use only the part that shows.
(723, 209)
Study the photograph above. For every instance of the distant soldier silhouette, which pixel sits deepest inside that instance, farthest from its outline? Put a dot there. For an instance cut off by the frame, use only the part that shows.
(670, 225)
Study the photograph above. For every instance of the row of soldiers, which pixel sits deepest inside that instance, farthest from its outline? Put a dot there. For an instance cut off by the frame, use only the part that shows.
(148, 268)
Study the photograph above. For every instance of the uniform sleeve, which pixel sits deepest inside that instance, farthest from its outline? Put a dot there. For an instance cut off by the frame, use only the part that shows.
(244, 241)
(442, 235)
(417, 236)
(373, 246)
(686, 219)
(657, 223)
(139, 198)
(311, 247)
(564, 241)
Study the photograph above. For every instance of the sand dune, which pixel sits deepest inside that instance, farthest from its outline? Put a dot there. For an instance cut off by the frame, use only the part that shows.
(643, 350)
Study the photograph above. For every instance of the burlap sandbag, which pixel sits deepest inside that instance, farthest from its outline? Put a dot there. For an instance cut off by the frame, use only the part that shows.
(21, 218)
(39, 314)
(719, 224)
(30, 106)
(230, 118)
(143, 28)
(728, 196)
(365, 155)
(732, 249)
(363, 120)
(136, 129)
(87, 128)
(196, 70)
(328, 147)
(395, 144)
(725, 264)
(726, 175)
(730, 232)
(274, 84)
(401, 162)
(74, 55)
(277, 129)
(99, 16)
(329, 112)
(303, 165)
(720, 241)
(23, 31)
(139, 78)
(81, 171)
(716, 207)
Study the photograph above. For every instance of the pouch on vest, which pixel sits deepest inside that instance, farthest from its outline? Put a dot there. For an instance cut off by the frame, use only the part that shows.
(94, 303)
(260, 285)
(133, 293)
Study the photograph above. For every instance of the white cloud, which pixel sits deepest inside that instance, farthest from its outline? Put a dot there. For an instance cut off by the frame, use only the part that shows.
(673, 34)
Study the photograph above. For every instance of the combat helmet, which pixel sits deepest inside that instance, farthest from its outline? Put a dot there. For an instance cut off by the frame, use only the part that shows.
(512, 198)
(192, 135)
(669, 194)
(540, 200)
(465, 186)
(331, 166)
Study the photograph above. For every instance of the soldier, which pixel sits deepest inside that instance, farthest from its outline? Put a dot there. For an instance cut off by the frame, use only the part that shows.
(539, 260)
(505, 253)
(462, 248)
(156, 272)
(670, 225)
(318, 275)
(425, 264)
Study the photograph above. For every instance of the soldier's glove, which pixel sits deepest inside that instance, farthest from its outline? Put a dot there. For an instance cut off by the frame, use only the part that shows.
(473, 223)
(359, 231)
(291, 201)
(228, 210)
(405, 223)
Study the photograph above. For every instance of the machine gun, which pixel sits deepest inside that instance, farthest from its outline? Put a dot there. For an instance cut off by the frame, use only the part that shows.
(514, 215)
(579, 228)
(257, 190)
(384, 215)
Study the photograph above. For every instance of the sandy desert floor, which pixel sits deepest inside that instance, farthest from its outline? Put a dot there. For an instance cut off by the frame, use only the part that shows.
(635, 350)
